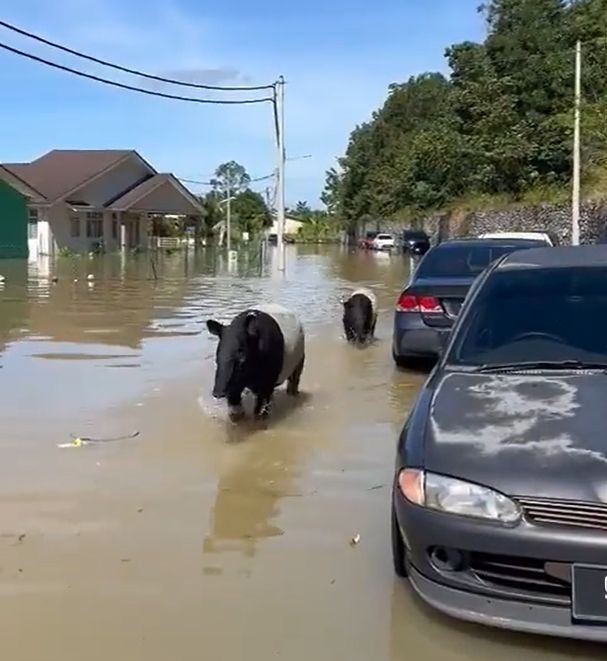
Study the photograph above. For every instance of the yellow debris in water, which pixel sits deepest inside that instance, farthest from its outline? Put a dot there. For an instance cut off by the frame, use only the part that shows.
(77, 442)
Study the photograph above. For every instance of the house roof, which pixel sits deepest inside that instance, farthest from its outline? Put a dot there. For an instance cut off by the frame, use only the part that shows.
(139, 192)
(18, 184)
(62, 170)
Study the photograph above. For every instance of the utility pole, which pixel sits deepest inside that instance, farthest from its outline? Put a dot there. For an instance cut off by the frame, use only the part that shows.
(280, 211)
(229, 214)
(575, 197)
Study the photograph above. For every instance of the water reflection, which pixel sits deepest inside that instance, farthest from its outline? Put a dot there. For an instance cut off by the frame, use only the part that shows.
(261, 467)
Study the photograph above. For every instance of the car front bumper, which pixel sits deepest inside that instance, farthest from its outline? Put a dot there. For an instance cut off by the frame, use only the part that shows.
(520, 592)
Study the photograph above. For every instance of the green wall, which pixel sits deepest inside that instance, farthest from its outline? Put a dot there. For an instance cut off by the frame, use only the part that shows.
(13, 222)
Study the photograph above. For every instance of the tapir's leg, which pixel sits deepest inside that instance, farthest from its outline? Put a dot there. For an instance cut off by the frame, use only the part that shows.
(263, 404)
(235, 410)
(373, 327)
(293, 380)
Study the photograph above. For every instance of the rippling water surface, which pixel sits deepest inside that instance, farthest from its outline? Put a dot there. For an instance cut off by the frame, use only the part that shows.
(191, 538)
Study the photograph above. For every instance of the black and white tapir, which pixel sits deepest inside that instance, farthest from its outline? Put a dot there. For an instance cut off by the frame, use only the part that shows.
(360, 315)
(259, 350)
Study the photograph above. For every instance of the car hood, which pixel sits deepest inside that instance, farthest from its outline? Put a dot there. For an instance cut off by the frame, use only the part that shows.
(541, 435)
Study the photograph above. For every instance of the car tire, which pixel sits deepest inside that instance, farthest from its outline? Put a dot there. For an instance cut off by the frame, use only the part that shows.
(399, 553)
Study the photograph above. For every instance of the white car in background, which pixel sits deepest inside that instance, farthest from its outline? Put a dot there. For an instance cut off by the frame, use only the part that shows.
(547, 237)
(383, 242)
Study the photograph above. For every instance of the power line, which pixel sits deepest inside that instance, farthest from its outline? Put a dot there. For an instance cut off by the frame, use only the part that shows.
(134, 72)
(132, 88)
(211, 183)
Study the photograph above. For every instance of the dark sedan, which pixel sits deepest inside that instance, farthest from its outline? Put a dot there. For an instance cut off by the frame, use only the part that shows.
(428, 305)
(499, 511)
(415, 242)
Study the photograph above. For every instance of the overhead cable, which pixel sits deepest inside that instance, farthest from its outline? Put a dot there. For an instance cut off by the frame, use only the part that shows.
(133, 88)
(134, 72)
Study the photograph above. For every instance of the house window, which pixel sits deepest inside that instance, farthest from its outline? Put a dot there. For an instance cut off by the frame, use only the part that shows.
(75, 227)
(94, 224)
(32, 225)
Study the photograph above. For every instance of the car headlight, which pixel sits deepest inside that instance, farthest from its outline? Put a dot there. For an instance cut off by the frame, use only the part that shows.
(447, 494)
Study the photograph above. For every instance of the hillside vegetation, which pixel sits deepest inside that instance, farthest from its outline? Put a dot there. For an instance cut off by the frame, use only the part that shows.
(497, 130)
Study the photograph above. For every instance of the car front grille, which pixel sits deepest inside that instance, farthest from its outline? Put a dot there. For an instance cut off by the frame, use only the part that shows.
(572, 513)
(527, 575)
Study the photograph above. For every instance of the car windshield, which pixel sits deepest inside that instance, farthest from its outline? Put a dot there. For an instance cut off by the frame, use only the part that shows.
(384, 237)
(462, 261)
(536, 315)
(414, 235)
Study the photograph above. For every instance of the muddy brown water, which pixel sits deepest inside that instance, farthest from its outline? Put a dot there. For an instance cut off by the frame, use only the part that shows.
(198, 539)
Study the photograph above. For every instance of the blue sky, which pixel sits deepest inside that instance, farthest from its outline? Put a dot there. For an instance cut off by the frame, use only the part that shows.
(338, 57)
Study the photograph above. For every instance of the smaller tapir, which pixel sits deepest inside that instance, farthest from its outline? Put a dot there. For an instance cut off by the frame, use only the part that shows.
(259, 350)
(360, 315)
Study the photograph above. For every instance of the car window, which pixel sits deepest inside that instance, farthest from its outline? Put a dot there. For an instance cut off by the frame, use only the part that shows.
(540, 314)
(414, 235)
(464, 261)
(384, 236)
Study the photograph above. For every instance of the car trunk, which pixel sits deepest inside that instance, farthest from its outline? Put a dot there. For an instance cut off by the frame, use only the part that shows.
(450, 294)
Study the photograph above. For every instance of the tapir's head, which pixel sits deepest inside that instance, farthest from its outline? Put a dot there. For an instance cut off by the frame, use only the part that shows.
(235, 352)
(358, 318)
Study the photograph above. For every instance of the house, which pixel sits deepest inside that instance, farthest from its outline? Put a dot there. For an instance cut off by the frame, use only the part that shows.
(292, 226)
(13, 220)
(79, 198)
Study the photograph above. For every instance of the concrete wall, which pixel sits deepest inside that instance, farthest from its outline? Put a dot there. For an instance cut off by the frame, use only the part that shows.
(549, 217)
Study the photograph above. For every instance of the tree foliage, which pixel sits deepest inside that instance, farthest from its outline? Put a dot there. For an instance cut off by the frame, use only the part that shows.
(231, 176)
(249, 211)
(500, 124)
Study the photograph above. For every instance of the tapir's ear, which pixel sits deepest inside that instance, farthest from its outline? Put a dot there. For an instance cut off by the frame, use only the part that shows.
(251, 324)
(215, 328)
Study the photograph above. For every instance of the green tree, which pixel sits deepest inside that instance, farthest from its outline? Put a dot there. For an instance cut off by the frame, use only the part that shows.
(232, 176)
(500, 124)
(213, 211)
(249, 210)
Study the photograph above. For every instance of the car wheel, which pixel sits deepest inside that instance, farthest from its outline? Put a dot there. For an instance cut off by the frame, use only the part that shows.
(399, 554)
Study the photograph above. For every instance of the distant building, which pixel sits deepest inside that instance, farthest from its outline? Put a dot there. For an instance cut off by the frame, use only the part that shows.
(77, 198)
(292, 226)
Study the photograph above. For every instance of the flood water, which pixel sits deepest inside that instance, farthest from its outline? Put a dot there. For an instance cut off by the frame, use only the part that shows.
(197, 539)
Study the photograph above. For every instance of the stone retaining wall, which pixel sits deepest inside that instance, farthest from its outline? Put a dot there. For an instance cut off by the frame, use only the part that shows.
(548, 217)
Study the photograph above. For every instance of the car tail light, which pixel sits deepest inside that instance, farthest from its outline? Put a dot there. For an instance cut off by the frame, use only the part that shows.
(411, 303)
(407, 303)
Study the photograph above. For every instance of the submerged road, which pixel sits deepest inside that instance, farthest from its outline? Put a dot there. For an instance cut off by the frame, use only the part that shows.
(196, 539)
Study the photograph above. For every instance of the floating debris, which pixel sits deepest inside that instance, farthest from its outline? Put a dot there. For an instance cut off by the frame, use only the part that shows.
(355, 540)
(79, 441)
(90, 277)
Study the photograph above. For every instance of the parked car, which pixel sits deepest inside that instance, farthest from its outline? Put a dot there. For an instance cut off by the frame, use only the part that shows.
(367, 241)
(383, 242)
(430, 302)
(499, 510)
(547, 237)
(415, 242)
